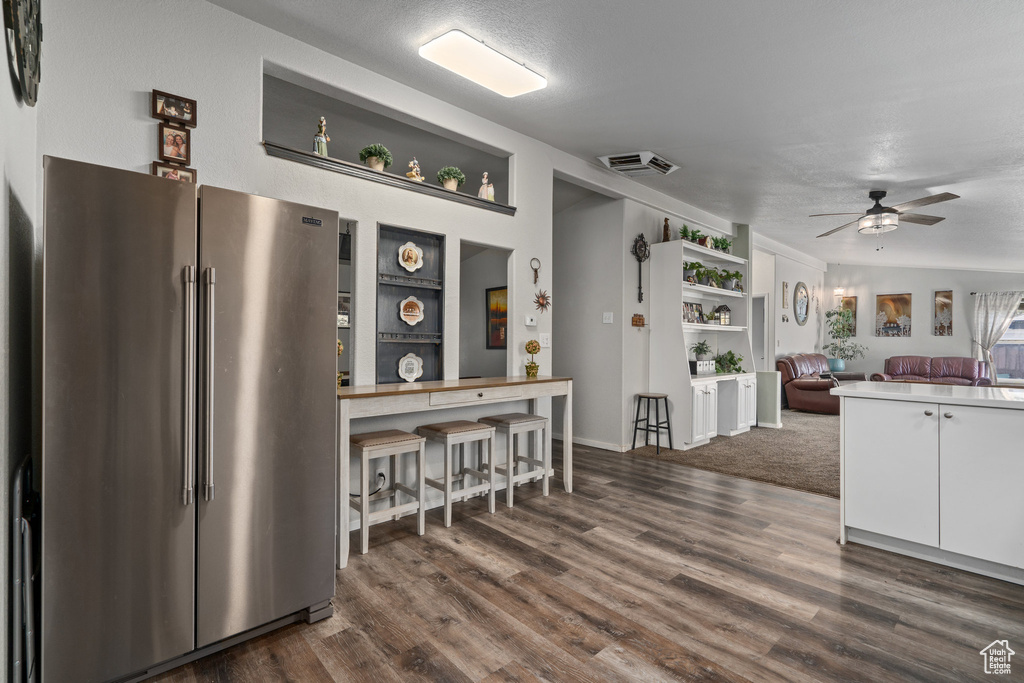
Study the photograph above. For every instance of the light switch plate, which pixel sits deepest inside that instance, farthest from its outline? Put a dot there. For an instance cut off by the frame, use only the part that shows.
(531, 321)
(545, 340)
(608, 318)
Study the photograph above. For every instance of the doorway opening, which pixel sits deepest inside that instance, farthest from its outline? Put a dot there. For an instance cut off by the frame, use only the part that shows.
(759, 332)
(346, 234)
(484, 311)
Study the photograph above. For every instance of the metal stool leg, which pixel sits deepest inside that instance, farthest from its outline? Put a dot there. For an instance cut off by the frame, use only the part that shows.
(668, 424)
(636, 420)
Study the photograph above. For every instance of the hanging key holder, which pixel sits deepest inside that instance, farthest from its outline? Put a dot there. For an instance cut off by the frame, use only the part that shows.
(535, 264)
(641, 251)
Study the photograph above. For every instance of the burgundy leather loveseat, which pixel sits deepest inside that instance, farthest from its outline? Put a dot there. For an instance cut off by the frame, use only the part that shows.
(805, 388)
(949, 370)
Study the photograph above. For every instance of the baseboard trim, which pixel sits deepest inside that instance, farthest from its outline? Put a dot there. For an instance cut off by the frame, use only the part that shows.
(770, 425)
(595, 444)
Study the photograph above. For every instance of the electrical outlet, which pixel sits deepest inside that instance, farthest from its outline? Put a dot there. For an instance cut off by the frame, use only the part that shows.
(531, 321)
(608, 318)
(545, 341)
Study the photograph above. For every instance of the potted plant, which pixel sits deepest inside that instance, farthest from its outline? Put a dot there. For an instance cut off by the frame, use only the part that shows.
(839, 322)
(731, 279)
(690, 269)
(701, 349)
(376, 156)
(532, 347)
(728, 362)
(451, 177)
(721, 243)
(695, 235)
(684, 233)
(714, 277)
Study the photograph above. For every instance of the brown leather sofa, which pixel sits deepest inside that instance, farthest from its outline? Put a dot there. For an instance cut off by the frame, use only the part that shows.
(946, 370)
(805, 388)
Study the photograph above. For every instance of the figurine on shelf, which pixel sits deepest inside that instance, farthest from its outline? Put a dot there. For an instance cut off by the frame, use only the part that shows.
(483, 187)
(490, 191)
(321, 138)
(414, 171)
(665, 234)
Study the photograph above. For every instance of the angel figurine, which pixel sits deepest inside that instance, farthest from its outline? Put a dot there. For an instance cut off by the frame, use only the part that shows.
(321, 138)
(483, 187)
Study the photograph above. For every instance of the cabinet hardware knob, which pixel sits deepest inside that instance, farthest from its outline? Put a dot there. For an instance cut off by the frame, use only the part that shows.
(947, 415)
(928, 413)
(480, 394)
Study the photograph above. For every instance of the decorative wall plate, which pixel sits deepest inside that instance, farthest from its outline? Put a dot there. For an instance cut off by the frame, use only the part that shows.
(410, 310)
(410, 257)
(410, 367)
(801, 301)
(24, 36)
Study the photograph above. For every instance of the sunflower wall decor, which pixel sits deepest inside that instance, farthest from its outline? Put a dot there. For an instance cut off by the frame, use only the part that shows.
(542, 300)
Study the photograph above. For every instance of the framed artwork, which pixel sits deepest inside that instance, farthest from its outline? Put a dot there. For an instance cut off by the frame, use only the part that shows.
(892, 315)
(173, 108)
(186, 175)
(849, 303)
(801, 303)
(175, 144)
(942, 322)
(693, 313)
(497, 317)
(344, 309)
(785, 294)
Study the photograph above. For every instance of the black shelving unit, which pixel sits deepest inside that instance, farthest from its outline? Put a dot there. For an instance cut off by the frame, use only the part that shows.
(395, 337)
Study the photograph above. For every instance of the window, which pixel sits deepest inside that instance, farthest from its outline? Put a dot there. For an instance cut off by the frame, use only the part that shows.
(1008, 353)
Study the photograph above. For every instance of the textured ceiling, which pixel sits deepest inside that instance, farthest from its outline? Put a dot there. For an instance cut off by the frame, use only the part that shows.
(774, 110)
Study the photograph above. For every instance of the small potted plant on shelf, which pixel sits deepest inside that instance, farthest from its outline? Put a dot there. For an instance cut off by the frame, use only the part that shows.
(684, 233)
(714, 278)
(701, 349)
(695, 235)
(376, 156)
(721, 243)
(731, 280)
(690, 269)
(532, 347)
(728, 362)
(839, 322)
(451, 177)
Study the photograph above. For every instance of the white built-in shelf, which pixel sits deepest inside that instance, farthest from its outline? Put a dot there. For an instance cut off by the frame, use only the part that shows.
(712, 253)
(691, 289)
(707, 327)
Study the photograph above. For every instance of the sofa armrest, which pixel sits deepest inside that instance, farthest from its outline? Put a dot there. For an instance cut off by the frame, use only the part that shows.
(881, 377)
(982, 382)
(811, 384)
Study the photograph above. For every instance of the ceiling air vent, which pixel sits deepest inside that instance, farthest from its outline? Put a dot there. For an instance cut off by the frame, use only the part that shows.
(636, 164)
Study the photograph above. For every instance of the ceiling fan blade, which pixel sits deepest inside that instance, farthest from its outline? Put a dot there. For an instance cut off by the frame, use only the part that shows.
(919, 218)
(925, 201)
(813, 215)
(841, 227)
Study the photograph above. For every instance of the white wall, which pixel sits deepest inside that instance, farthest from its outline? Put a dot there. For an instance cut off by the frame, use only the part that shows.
(587, 282)
(866, 282)
(789, 265)
(18, 253)
(636, 357)
(480, 272)
(762, 266)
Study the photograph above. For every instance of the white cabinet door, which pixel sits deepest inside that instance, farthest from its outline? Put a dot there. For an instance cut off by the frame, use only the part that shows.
(699, 414)
(891, 468)
(981, 468)
(750, 398)
(712, 409)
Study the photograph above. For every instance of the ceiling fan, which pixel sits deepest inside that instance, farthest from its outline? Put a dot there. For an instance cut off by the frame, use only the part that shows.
(879, 219)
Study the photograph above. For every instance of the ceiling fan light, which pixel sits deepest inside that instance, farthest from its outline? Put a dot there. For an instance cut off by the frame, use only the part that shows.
(876, 223)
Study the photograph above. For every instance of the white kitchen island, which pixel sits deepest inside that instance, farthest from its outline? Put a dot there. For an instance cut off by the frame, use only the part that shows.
(935, 472)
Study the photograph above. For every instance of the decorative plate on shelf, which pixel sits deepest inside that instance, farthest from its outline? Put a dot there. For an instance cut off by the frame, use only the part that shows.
(410, 310)
(410, 367)
(410, 257)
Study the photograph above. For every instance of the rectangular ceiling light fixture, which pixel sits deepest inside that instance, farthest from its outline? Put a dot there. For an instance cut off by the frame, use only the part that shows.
(470, 58)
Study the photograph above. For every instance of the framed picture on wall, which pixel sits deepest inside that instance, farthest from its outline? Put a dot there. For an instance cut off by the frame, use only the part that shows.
(943, 320)
(173, 108)
(497, 317)
(344, 309)
(785, 294)
(175, 144)
(172, 172)
(849, 303)
(892, 315)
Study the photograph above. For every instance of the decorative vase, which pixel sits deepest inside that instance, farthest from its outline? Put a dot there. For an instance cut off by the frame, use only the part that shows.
(729, 284)
(451, 184)
(836, 364)
(689, 272)
(376, 163)
(531, 369)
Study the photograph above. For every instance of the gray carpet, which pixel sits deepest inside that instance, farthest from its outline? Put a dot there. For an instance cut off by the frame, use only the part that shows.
(803, 455)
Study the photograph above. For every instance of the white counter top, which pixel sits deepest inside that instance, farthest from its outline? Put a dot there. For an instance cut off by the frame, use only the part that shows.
(988, 397)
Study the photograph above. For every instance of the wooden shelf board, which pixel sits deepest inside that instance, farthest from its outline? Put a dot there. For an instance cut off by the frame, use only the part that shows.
(713, 328)
(712, 253)
(690, 289)
(367, 173)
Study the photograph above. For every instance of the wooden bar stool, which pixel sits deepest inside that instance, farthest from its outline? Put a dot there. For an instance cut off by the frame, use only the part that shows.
(459, 433)
(658, 425)
(393, 444)
(511, 425)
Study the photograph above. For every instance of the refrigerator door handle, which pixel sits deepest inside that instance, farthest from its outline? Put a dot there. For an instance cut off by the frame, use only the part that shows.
(211, 280)
(189, 275)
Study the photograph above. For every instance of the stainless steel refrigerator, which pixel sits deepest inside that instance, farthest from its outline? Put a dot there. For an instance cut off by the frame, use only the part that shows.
(188, 419)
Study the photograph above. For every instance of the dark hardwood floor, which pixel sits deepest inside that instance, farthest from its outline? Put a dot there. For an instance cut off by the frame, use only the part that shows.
(648, 571)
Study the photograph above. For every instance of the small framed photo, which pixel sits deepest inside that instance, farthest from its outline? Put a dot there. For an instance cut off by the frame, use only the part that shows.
(175, 144)
(171, 172)
(497, 318)
(174, 108)
(344, 309)
(698, 313)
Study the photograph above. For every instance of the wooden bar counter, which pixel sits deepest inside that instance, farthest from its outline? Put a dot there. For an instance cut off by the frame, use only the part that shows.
(391, 399)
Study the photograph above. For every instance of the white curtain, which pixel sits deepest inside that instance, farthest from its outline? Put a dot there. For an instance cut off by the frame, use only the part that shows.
(993, 313)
